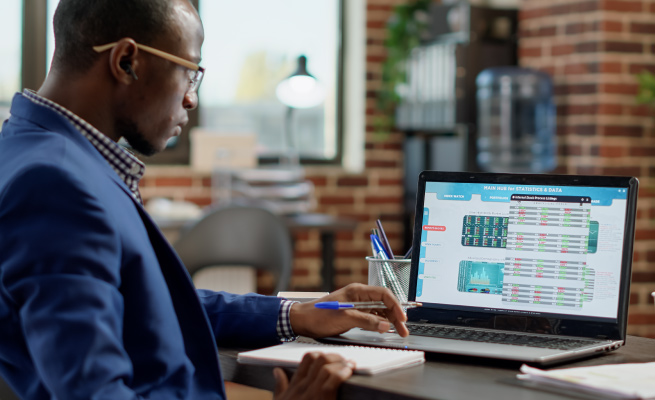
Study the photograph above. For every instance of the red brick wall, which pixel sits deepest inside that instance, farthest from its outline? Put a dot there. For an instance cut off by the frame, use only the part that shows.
(593, 49)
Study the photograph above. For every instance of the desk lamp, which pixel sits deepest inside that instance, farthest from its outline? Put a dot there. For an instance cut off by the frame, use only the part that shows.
(299, 90)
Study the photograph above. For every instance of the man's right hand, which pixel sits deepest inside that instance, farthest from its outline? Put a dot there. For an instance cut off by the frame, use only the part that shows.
(318, 378)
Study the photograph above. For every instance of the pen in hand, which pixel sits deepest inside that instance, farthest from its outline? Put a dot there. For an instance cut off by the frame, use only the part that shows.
(361, 305)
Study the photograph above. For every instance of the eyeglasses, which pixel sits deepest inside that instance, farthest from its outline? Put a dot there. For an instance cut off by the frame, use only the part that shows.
(196, 72)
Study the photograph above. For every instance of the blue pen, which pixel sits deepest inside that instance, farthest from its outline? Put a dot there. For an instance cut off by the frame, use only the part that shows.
(361, 305)
(389, 275)
(380, 252)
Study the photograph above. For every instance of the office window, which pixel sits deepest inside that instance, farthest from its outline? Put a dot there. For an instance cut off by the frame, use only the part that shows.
(50, 33)
(10, 54)
(249, 48)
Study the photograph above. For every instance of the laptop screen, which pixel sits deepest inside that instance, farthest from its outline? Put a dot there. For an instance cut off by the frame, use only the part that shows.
(526, 245)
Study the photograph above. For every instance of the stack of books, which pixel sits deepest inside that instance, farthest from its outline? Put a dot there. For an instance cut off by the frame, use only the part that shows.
(283, 189)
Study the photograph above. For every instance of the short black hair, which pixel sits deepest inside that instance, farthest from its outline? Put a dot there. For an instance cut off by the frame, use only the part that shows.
(81, 24)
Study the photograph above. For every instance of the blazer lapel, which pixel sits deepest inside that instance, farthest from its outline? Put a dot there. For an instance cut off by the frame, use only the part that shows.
(190, 313)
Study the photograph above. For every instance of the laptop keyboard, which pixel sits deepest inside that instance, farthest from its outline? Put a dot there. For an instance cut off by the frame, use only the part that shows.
(547, 342)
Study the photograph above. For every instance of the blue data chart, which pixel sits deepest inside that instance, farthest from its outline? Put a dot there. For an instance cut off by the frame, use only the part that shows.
(480, 277)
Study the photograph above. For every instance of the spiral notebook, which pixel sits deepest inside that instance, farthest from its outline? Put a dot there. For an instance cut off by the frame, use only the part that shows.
(368, 360)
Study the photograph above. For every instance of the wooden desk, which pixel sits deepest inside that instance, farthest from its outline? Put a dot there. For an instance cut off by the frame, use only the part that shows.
(443, 377)
(327, 225)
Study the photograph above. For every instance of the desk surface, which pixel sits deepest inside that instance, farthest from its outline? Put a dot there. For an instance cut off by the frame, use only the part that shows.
(443, 377)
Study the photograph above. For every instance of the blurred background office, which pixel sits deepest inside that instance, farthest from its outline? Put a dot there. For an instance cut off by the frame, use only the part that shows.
(361, 154)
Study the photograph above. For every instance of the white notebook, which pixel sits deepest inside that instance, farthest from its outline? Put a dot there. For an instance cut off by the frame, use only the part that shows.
(368, 360)
(612, 381)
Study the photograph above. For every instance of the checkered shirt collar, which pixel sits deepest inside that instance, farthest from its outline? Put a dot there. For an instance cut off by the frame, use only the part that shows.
(128, 167)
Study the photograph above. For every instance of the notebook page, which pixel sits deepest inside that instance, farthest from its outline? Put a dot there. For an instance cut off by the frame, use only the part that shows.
(368, 360)
(621, 381)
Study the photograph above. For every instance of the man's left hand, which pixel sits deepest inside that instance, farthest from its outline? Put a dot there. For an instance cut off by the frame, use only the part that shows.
(307, 320)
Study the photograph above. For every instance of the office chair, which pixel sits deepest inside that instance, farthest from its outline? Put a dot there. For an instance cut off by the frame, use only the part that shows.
(238, 236)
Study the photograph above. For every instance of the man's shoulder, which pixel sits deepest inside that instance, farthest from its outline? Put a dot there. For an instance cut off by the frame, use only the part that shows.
(39, 152)
(17, 135)
(30, 122)
(21, 135)
(49, 137)
(35, 147)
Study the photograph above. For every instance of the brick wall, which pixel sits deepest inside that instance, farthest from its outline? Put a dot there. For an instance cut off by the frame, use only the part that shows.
(593, 49)
(376, 193)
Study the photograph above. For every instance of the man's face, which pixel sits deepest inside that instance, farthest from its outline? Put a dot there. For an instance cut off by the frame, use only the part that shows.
(158, 110)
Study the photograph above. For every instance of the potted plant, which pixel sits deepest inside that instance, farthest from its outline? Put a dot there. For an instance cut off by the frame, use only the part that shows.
(405, 30)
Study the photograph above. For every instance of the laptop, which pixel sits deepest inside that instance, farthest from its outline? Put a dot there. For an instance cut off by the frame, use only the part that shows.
(529, 268)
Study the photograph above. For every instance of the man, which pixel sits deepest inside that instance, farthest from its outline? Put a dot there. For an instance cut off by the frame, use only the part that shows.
(94, 304)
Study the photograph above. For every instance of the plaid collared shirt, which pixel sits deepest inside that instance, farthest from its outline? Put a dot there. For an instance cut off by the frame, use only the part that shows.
(131, 170)
(128, 167)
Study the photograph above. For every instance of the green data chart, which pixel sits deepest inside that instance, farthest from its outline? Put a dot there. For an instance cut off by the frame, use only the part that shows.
(559, 296)
(484, 231)
(555, 242)
(593, 236)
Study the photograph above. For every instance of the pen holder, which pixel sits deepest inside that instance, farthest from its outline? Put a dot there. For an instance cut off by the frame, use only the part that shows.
(379, 271)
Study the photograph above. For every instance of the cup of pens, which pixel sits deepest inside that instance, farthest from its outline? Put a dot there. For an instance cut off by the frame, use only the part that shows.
(385, 269)
(392, 274)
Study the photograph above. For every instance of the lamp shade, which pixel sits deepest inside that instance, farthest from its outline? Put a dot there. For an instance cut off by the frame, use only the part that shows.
(300, 89)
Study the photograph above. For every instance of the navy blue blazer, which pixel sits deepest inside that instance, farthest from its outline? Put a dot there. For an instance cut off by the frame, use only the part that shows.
(94, 303)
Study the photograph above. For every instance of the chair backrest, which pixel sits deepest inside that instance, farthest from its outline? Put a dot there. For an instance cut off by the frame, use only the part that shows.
(239, 235)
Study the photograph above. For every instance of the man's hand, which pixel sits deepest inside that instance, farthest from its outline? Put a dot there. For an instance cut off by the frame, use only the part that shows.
(318, 378)
(307, 320)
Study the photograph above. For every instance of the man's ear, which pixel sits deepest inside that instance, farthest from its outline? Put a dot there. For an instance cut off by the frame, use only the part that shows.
(123, 62)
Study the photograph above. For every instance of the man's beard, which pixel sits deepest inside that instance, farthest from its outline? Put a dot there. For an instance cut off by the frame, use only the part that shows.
(130, 132)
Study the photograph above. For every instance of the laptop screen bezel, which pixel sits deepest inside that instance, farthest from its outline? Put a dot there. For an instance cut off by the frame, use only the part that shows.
(559, 324)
